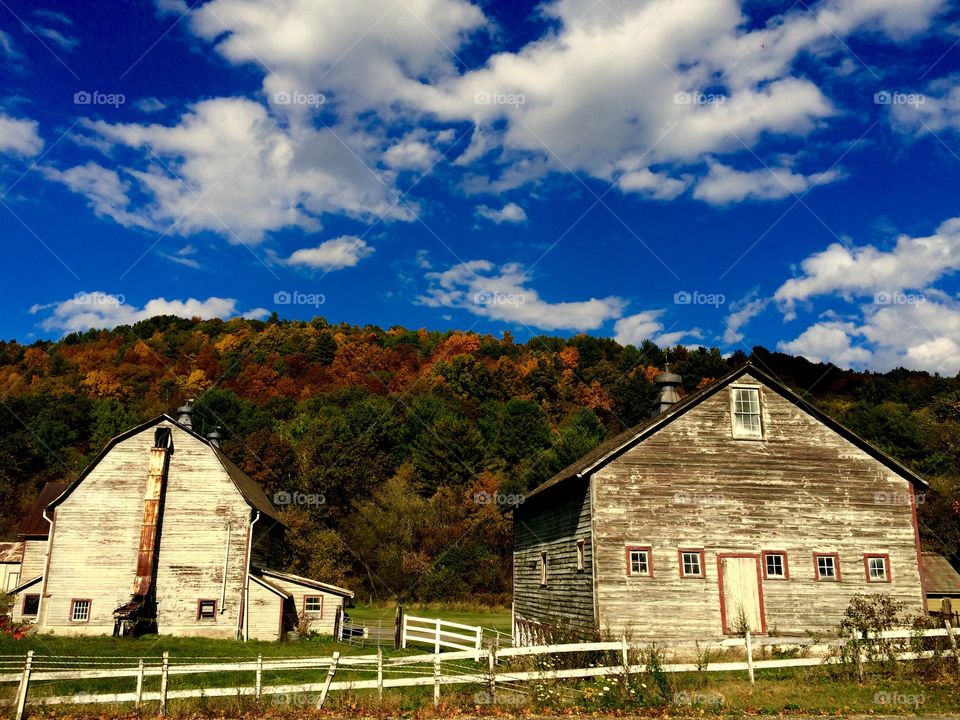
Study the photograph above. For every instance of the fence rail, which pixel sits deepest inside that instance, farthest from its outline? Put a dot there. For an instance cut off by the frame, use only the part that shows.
(440, 634)
(490, 668)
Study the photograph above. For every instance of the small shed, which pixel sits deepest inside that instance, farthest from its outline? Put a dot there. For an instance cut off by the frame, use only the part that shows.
(941, 583)
(278, 599)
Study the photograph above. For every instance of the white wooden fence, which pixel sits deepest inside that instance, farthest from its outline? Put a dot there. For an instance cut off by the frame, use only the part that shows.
(407, 671)
(440, 634)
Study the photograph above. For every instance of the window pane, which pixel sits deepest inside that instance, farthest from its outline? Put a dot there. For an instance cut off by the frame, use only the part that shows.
(878, 568)
(639, 564)
(31, 604)
(313, 604)
(775, 566)
(81, 610)
(825, 566)
(691, 563)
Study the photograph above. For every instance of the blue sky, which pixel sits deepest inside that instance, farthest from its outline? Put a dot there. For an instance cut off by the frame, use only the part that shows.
(687, 171)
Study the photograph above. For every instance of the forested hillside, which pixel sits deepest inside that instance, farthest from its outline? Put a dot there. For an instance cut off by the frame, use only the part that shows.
(405, 438)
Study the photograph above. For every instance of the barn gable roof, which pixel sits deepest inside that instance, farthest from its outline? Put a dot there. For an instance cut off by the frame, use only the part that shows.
(34, 526)
(247, 486)
(619, 444)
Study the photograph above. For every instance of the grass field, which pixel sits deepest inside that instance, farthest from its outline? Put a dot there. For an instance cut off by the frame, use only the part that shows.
(489, 618)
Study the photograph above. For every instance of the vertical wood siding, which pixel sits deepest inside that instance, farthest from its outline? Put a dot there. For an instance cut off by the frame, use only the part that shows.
(553, 523)
(265, 610)
(321, 624)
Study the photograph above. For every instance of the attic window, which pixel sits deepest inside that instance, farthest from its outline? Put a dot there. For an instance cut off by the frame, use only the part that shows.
(206, 610)
(745, 405)
(162, 438)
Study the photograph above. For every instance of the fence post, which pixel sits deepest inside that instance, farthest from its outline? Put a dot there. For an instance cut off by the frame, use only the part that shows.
(749, 643)
(140, 684)
(24, 686)
(953, 643)
(436, 642)
(403, 628)
(479, 641)
(436, 681)
(164, 677)
(379, 673)
(858, 659)
(326, 683)
(492, 664)
(259, 690)
(398, 640)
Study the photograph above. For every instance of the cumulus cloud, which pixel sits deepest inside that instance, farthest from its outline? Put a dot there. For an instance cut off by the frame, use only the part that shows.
(19, 136)
(829, 341)
(509, 213)
(724, 184)
(342, 252)
(105, 191)
(935, 110)
(657, 186)
(236, 172)
(97, 309)
(911, 263)
(742, 312)
(504, 293)
(411, 154)
(647, 325)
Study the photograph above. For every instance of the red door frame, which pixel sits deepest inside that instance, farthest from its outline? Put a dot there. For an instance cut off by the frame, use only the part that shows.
(723, 609)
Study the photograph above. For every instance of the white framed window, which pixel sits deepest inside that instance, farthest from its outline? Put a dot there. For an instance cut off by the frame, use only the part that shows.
(13, 579)
(877, 567)
(827, 566)
(79, 610)
(775, 566)
(313, 604)
(745, 407)
(692, 563)
(543, 569)
(639, 561)
(581, 555)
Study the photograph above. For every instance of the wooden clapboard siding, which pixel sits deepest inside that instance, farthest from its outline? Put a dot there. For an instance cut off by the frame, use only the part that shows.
(201, 503)
(34, 559)
(554, 522)
(266, 608)
(323, 623)
(803, 489)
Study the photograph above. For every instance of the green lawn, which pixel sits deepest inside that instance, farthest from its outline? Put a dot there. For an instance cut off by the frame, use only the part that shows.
(488, 618)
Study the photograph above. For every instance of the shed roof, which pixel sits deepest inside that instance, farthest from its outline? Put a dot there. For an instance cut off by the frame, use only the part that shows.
(34, 526)
(305, 582)
(618, 444)
(11, 552)
(248, 487)
(939, 577)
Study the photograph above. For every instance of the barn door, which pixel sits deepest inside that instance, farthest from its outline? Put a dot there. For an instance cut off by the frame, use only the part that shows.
(741, 594)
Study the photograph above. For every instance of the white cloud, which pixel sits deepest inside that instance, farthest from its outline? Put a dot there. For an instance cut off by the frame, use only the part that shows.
(504, 293)
(103, 310)
(724, 184)
(411, 154)
(183, 257)
(647, 325)
(342, 252)
(509, 213)
(829, 342)
(866, 270)
(741, 313)
(235, 172)
(657, 186)
(104, 189)
(935, 110)
(57, 37)
(19, 137)
(150, 105)
(7, 47)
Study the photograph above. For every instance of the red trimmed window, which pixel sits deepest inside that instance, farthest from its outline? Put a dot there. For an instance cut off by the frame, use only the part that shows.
(775, 565)
(31, 605)
(826, 567)
(80, 611)
(206, 609)
(639, 561)
(877, 568)
(692, 563)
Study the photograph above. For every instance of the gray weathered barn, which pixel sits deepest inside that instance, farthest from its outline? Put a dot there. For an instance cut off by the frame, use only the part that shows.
(738, 507)
(162, 532)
